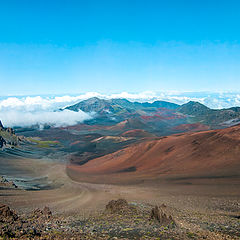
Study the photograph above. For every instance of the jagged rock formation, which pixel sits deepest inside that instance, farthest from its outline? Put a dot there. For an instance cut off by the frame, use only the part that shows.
(116, 206)
(158, 214)
(1, 126)
(5, 184)
(120, 206)
(7, 137)
(2, 142)
(45, 212)
(6, 214)
(10, 130)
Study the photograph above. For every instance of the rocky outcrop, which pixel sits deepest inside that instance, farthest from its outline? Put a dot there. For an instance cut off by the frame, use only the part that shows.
(7, 137)
(119, 206)
(2, 142)
(1, 126)
(5, 184)
(45, 212)
(158, 214)
(10, 130)
(6, 214)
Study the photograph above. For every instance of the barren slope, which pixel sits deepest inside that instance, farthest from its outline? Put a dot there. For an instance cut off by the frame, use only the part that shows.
(212, 154)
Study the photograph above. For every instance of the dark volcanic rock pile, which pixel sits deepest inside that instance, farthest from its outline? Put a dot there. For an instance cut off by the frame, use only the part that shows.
(120, 221)
(119, 206)
(1, 126)
(6, 214)
(7, 137)
(158, 214)
(46, 212)
(2, 142)
(5, 184)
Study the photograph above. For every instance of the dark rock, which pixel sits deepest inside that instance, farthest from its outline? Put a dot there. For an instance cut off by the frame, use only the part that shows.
(2, 142)
(6, 214)
(46, 212)
(37, 212)
(163, 206)
(4, 183)
(159, 215)
(1, 126)
(10, 130)
(117, 206)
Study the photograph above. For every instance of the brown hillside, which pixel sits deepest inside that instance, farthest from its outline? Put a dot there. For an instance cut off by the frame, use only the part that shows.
(209, 153)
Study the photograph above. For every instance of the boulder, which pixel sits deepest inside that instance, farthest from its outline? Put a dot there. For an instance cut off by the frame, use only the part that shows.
(4, 183)
(10, 130)
(158, 214)
(6, 214)
(117, 206)
(1, 126)
(45, 212)
(2, 142)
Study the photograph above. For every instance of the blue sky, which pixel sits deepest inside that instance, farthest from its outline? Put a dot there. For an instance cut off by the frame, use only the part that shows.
(72, 46)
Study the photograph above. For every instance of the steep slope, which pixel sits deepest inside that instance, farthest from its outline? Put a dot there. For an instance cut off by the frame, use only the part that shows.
(205, 154)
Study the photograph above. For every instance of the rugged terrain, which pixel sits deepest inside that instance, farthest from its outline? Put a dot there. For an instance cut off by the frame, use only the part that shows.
(183, 159)
(199, 211)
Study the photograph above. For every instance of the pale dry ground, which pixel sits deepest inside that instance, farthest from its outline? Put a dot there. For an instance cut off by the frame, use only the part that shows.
(192, 205)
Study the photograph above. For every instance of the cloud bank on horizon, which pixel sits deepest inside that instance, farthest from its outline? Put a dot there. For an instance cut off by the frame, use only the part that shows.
(41, 110)
(24, 119)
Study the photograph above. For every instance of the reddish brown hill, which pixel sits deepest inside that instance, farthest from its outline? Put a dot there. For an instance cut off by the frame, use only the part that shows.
(213, 153)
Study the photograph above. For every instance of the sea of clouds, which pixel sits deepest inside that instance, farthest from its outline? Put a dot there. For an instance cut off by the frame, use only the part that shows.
(40, 110)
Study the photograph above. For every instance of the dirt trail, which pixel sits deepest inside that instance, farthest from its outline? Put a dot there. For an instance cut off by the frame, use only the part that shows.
(198, 207)
(67, 197)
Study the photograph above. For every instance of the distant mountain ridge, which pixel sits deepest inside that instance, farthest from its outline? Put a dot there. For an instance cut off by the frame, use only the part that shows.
(161, 114)
(208, 116)
(96, 105)
(194, 108)
(113, 111)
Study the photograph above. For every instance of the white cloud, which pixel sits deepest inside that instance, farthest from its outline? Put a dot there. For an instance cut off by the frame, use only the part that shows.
(62, 118)
(148, 95)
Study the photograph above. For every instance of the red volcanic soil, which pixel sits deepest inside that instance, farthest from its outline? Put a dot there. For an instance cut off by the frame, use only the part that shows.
(214, 153)
(82, 126)
(137, 133)
(197, 127)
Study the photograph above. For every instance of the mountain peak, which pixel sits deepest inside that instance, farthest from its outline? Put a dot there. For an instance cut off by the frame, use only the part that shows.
(193, 108)
(93, 104)
(194, 103)
(94, 99)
